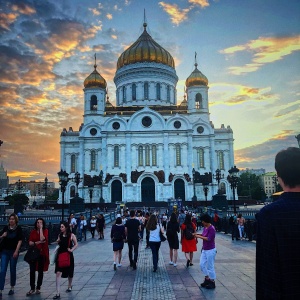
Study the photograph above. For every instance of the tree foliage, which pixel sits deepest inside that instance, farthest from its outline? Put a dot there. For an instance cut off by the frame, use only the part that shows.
(250, 185)
(17, 199)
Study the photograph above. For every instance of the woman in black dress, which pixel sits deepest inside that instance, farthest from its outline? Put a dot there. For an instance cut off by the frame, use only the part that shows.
(172, 236)
(67, 243)
(117, 236)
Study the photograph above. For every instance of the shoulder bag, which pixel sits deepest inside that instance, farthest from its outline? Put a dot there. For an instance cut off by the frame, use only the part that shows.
(32, 254)
(161, 235)
(64, 259)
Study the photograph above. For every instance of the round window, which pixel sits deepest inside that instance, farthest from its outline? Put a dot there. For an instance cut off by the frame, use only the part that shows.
(93, 131)
(116, 125)
(200, 129)
(146, 121)
(177, 124)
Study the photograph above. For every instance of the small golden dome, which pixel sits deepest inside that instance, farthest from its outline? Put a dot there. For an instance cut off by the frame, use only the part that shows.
(145, 49)
(95, 80)
(196, 78)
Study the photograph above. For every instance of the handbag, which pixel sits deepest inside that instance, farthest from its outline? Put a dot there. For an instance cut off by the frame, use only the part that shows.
(32, 254)
(162, 236)
(64, 260)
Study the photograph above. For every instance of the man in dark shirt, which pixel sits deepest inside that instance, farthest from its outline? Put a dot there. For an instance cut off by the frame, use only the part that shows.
(278, 234)
(132, 228)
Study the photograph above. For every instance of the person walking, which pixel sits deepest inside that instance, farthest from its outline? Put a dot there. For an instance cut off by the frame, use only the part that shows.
(117, 236)
(278, 234)
(132, 228)
(67, 243)
(154, 239)
(82, 228)
(147, 216)
(73, 223)
(39, 238)
(188, 241)
(172, 235)
(93, 226)
(241, 226)
(100, 226)
(12, 239)
(208, 253)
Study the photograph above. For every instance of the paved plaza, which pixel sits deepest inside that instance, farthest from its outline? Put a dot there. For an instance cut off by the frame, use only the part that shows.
(95, 278)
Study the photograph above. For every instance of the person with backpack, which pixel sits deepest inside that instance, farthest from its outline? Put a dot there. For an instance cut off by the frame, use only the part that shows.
(208, 253)
(188, 241)
(172, 236)
(117, 236)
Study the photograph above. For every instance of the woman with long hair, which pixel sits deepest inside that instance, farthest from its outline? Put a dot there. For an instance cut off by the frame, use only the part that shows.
(188, 242)
(67, 243)
(39, 238)
(12, 239)
(117, 236)
(154, 239)
(172, 236)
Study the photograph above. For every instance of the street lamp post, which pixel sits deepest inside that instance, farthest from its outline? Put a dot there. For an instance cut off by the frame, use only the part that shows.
(194, 185)
(45, 188)
(19, 186)
(233, 179)
(63, 181)
(218, 176)
(77, 180)
(101, 186)
(91, 198)
(205, 189)
(298, 139)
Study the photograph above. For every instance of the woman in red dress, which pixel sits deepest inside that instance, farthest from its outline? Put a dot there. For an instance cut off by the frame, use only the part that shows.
(188, 245)
(39, 238)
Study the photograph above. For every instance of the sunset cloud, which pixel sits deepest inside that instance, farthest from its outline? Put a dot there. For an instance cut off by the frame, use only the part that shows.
(176, 14)
(201, 3)
(23, 8)
(6, 20)
(265, 50)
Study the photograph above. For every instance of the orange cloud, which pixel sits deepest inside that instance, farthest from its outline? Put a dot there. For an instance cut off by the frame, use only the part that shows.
(266, 50)
(23, 9)
(7, 19)
(201, 3)
(176, 14)
(21, 174)
(95, 11)
(109, 16)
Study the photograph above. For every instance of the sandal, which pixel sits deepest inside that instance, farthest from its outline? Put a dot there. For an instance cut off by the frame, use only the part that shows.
(69, 289)
(30, 293)
(37, 291)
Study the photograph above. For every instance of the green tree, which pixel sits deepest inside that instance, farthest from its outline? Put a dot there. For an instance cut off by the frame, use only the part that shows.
(250, 185)
(21, 199)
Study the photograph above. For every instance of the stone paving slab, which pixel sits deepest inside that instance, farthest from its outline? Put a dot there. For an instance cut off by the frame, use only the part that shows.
(95, 278)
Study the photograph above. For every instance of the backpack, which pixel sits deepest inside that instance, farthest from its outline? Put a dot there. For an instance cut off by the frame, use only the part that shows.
(117, 236)
(188, 232)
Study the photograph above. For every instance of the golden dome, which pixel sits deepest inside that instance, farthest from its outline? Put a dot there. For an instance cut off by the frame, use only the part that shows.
(145, 49)
(95, 80)
(196, 78)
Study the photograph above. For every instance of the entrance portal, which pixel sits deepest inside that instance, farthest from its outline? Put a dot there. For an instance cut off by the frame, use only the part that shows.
(179, 190)
(116, 191)
(148, 190)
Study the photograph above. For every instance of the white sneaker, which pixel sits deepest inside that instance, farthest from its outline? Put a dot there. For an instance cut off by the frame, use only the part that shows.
(175, 265)
(119, 265)
(170, 263)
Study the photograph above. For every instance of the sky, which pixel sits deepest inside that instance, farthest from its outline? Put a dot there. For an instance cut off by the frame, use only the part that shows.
(248, 50)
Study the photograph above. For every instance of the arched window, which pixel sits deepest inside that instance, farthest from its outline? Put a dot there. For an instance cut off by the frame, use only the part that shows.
(221, 160)
(134, 91)
(93, 160)
(146, 90)
(198, 101)
(124, 93)
(94, 102)
(147, 155)
(154, 156)
(168, 93)
(73, 163)
(178, 155)
(141, 156)
(116, 156)
(72, 191)
(201, 158)
(158, 91)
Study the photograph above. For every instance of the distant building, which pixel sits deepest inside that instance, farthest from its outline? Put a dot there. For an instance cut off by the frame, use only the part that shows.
(4, 179)
(257, 172)
(36, 188)
(269, 183)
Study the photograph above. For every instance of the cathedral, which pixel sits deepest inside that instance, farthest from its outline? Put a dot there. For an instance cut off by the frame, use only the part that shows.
(147, 146)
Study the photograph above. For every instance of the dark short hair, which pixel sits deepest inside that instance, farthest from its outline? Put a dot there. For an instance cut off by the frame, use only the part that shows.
(287, 166)
(206, 218)
(132, 213)
(35, 223)
(119, 220)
